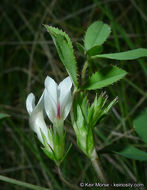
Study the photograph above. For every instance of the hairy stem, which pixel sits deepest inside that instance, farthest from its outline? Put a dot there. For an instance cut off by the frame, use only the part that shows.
(98, 168)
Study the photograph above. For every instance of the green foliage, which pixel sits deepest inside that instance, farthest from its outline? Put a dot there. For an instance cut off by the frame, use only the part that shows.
(3, 115)
(133, 153)
(140, 124)
(47, 148)
(141, 128)
(65, 51)
(104, 77)
(86, 117)
(80, 48)
(89, 142)
(21, 183)
(79, 123)
(19, 42)
(94, 50)
(99, 109)
(127, 55)
(96, 35)
(56, 152)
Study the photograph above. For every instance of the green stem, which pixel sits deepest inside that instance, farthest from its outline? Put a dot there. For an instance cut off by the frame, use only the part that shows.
(84, 70)
(72, 111)
(75, 187)
(59, 127)
(98, 168)
(20, 183)
(136, 87)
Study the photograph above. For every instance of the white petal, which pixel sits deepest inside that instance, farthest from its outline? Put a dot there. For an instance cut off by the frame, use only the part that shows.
(65, 97)
(37, 121)
(64, 88)
(51, 87)
(66, 106)
(30, 103)
(50, 106)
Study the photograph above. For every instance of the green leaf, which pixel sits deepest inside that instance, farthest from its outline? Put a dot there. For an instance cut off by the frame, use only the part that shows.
(127, 55)
(65, 51)
(3, 115)
(49, 154)
(112, 147)
(80, 48)
(21, 183)
(96, 34)
(133, 153)
(66, 153)
(141, 125)
(80, 117)
(105, 77)
(110, 105)
(89, 142)
(94, 50)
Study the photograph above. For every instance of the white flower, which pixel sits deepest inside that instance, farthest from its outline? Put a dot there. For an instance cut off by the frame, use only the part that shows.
(36, 119)
(57, 99)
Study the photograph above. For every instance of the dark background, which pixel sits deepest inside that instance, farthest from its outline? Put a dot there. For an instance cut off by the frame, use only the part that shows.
(28, 55)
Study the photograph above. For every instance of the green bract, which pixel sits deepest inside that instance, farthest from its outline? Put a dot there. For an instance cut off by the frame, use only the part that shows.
(86, 117)
(57, 151)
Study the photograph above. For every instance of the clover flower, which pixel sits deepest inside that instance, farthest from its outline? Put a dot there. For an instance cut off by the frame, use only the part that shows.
(55, 102)
(57, 99)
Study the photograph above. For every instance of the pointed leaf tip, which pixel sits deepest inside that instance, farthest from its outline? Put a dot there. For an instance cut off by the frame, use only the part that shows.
(65, 51)
(126, 55)
(104, 77)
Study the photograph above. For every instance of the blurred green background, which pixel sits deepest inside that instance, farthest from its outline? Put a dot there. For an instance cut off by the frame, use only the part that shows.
(28, 55)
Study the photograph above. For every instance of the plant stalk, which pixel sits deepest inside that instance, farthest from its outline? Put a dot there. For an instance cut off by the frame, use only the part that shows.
(84, 70)
(74, 187)
(22, 184)
(98, 168)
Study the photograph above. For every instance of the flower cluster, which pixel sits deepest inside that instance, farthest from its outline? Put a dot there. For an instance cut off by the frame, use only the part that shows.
(55, 102)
